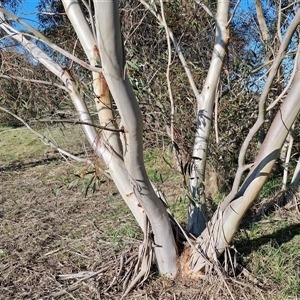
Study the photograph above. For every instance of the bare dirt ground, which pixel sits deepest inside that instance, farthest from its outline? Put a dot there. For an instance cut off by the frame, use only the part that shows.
(49, 232)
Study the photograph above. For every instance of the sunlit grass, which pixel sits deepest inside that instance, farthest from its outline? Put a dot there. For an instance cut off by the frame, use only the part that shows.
(20, 144)
(271, 250)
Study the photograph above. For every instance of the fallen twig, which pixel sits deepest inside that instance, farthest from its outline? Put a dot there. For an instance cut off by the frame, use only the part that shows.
(88, 275)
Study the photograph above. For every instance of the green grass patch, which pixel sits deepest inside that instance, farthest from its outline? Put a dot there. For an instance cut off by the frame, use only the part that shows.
(20, 144)
(271, 250)
(271, 187)
(159, 165)
(179, 209)
(280, 262)
(162, 172)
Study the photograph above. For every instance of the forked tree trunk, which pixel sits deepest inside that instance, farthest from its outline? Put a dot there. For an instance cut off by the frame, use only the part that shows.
(225, 222)
(103, 105)
(113, 64)
(123, 155)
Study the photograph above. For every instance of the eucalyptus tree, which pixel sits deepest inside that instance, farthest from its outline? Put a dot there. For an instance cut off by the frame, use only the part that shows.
(119, 145)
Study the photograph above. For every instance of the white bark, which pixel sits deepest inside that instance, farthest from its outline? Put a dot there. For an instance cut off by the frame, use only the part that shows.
(290, 140)
(113, 63)
(205, 101)
(116, 165)
(262, 22)
(296, 176)
(89, 44)
(225, 222)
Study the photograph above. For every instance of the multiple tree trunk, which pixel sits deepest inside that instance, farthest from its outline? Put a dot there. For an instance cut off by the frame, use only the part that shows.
(122, 152)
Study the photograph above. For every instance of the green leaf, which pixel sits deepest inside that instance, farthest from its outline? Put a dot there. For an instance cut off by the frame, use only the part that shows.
(98, 62)
(133, 64)
(56, 191)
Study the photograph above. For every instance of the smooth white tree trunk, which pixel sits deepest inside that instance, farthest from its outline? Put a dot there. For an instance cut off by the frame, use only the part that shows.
(225, 222)
(205, 102)
(113, 64)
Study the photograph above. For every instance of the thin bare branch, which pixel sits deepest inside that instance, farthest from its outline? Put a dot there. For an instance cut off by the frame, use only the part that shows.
(172, 112)
(233, 13)
(83, 276)
(48, 141)
(209, 12)
(177, 48)
(216, 117)
(39, 36)
(34, 81)
(75, 122)
(89, 9)
(263, 65)
(288, 84)
(47, 13)
(279, 22)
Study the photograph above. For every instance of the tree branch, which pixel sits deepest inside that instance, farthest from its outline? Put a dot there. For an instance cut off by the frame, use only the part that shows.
(262, 22)
(205, 103)
(74, 122)
(288, 84)
(34, 81)
(39, 36)
(172, 112)
(49, 142)
(233, 13)
(261, 113)
(177, 48)
(209, 12)
(279, 22)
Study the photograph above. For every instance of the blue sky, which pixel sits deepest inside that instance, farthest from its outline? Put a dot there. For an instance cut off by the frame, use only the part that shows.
(28, 12)
(28, 9)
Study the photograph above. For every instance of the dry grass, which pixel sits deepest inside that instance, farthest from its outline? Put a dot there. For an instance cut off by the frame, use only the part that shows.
(43, 235)
(49, 230)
